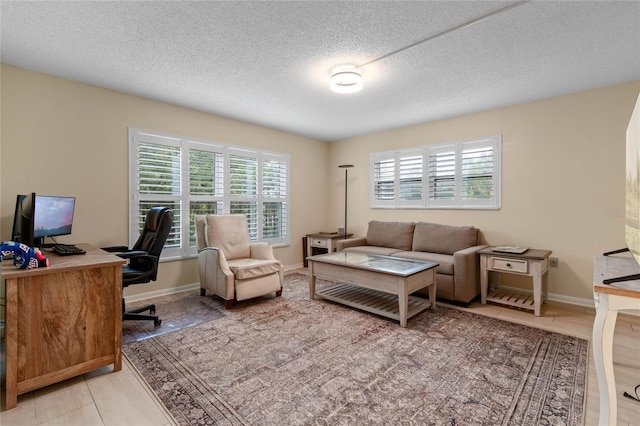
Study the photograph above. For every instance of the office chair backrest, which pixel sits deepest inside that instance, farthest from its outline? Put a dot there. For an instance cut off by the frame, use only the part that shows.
(155, 232)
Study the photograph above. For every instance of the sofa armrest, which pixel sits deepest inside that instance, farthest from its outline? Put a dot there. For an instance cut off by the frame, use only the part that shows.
(350, 242)
(467, 270)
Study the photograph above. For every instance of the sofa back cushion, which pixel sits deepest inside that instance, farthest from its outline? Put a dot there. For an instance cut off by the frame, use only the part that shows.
(229, 233)
(446, 239)
(390, 234)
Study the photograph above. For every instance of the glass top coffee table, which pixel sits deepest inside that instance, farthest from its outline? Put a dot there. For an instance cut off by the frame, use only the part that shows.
(378, 284)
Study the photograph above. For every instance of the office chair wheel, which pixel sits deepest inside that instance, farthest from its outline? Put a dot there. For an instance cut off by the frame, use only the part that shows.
(157, 322)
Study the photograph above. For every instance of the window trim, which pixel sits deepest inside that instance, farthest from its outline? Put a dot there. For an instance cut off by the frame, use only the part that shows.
(457, 202)
(186, 250)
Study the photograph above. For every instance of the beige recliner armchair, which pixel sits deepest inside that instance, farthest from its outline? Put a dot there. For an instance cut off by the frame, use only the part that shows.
(230, 265)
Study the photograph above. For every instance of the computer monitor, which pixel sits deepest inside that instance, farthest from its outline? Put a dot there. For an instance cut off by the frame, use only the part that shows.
(39, 216)
(23, 219)
(53, 217)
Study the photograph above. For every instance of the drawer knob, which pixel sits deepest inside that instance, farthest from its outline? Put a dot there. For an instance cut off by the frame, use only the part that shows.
(509, 265)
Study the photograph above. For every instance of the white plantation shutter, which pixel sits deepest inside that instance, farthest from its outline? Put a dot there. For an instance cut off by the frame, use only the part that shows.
(477, 173)
(275, 178)
(198, 177)
(206, 184)
(442, 174)
(453, 175)
(383, 190)
(410, 178)
(397, 179)
(243, 188)
(158, 177)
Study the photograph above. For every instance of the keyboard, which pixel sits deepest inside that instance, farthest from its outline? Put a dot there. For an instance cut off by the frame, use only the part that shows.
(67, 250)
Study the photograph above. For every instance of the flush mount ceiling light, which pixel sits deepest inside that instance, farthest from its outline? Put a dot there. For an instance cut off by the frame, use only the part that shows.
(346, 79)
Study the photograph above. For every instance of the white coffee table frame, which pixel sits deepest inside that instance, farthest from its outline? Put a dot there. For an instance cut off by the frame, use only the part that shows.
(376, 284)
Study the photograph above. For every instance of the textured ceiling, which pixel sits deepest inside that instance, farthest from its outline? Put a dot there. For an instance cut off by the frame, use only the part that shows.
(269, 62)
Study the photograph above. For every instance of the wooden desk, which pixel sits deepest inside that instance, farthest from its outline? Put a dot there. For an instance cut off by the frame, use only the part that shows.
(61, 321)
(609, 299)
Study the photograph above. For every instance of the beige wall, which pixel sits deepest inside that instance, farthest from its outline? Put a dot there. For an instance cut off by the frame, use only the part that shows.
(60, 137)
(562, 178)
(562, 165)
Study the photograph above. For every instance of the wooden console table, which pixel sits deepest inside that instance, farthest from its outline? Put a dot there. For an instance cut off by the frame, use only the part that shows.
(533, 263)
(61, 321)
(609, 299)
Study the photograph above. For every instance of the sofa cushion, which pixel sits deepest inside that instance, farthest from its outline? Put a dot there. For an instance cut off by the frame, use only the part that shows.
(252, 268)
(230, 233)
(390, 234)
(446, 239)
(444, 261)
(380, 251)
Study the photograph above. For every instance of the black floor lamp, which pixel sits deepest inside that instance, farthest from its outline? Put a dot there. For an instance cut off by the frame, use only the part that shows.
(346, 168)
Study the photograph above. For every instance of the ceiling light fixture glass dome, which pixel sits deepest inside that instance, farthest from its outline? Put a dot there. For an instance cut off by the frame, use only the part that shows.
(346, 79)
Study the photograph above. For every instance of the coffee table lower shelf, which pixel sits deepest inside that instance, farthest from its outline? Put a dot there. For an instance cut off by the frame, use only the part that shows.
(373, 301)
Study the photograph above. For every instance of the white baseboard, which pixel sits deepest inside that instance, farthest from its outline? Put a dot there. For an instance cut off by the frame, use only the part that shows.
(294, 267)
(187, 287)
(194, 286)
(577, 301)
(163, 292)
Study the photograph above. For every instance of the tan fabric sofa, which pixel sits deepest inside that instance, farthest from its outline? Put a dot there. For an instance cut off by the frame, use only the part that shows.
(455, 248)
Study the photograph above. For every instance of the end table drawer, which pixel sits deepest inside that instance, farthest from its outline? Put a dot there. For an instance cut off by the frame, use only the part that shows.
(318, 243)
(511, 265)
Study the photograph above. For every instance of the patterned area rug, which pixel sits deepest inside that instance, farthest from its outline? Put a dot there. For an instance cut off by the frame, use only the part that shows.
(295, 361)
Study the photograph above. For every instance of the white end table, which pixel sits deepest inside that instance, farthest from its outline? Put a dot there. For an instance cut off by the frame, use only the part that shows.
(533, 263)
(323, 242)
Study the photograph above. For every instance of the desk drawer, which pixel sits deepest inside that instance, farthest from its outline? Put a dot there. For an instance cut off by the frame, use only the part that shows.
(509, 265)
(318, 243)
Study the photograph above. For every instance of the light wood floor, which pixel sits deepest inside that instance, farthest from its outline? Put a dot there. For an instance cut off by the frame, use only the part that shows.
(106, 398)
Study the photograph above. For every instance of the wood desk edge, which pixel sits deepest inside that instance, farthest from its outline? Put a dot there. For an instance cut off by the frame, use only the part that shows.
(94, 257)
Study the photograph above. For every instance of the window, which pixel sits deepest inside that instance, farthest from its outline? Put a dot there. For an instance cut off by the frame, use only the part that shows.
(397, 180)
(195, 177)
(454, 176)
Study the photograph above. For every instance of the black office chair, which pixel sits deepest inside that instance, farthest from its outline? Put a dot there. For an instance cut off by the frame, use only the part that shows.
(143, 258)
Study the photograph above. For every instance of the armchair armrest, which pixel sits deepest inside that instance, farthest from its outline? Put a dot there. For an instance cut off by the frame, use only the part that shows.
(262, 251)
(215, 274)
(214, 256)
(350, 242)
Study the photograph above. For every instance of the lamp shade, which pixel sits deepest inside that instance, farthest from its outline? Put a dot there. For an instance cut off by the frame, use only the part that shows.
(345, 79)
